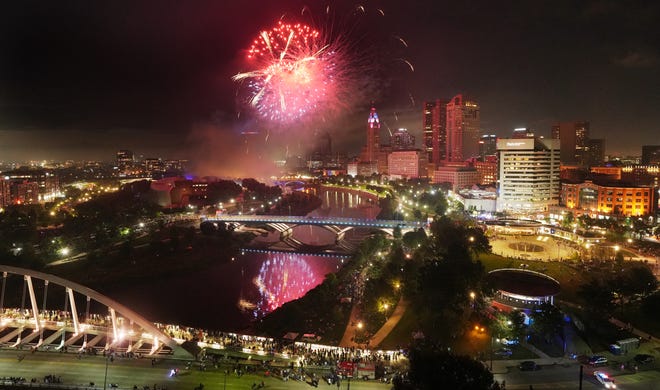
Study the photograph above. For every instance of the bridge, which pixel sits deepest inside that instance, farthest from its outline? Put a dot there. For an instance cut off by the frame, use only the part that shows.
(323, 221)
(338, 226)
(70, 327)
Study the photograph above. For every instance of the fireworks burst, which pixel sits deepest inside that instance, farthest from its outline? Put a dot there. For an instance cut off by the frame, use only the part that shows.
(297, 71)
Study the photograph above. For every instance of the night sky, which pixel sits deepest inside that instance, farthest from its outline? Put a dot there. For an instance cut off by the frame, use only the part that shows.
(81, 79)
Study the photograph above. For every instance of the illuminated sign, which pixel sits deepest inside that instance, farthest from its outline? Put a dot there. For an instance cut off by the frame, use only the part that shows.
(515, 143)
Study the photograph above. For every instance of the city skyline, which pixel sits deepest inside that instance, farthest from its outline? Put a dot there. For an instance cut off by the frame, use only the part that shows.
(81, 81)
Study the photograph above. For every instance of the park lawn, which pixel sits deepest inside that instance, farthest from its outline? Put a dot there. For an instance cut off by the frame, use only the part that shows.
(566, 273)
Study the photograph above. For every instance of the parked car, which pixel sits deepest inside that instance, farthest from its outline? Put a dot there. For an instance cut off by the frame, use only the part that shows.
(605, 379)
(504, 352)
(598, 360)
(529, 365)
(643, 358)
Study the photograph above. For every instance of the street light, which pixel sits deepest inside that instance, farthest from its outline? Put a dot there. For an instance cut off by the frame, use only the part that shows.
(105, 377)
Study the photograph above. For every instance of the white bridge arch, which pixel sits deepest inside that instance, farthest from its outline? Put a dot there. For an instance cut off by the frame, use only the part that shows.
(121, 330)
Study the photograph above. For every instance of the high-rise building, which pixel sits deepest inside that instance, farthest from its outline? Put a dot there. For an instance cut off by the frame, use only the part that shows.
(522, 132)
(463, 123)
(373, 135)
(595, 152)
(435, 130)
(48, 184)
(5, 198)
(572, 138)
(24, 192)
(402, 140)
(487, 146)
(529, 174)
(650, 154)
(125, 158)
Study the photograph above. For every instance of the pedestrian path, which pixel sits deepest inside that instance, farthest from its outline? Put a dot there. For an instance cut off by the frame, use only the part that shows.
(348, 340)
(390, 324)
(537, 351)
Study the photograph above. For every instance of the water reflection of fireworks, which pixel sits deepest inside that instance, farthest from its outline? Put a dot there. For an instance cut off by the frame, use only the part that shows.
(283, 278)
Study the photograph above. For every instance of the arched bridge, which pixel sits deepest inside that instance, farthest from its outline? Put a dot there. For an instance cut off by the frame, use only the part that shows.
(73, 326)
(337, 225)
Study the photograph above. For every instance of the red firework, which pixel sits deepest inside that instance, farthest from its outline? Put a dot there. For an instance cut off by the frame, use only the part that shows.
(296, 72)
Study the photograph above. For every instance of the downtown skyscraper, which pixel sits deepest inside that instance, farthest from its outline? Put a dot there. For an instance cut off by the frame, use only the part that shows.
(434, 118)
(451, 129)
(463, 122)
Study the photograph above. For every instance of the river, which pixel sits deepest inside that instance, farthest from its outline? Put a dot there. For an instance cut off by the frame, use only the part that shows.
(230, 296)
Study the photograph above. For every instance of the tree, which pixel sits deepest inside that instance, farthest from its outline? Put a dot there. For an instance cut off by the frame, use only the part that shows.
(433, 368)
(597, 297)
(568, 219)
(632, 281)
(547, 320)
(518, 327)
(651, 307)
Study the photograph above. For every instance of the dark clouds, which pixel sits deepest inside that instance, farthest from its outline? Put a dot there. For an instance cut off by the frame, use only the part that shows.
(144, 74)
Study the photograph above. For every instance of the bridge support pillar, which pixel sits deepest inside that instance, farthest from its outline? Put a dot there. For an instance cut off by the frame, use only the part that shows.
(74, 311)
(33, 302)
(2, 297)
(43, 310)
(113, 318)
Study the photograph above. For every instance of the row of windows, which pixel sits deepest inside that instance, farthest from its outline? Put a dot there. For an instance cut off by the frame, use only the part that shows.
(637, 207)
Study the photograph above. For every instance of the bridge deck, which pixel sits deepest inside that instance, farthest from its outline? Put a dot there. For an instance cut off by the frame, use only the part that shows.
(336, 221)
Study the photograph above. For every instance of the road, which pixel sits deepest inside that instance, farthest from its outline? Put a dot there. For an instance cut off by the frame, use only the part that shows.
(567, 377)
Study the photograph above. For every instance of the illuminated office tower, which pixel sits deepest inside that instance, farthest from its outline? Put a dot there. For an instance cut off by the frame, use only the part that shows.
(462, 129)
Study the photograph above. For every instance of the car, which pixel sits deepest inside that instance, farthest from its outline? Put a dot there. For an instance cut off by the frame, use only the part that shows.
(605, 379)
(509, 341)
(598, 360)
(643, 358)
(528, 365)
(504, 352)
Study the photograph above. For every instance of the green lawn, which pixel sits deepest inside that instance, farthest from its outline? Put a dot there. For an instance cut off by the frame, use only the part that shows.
(568, 274)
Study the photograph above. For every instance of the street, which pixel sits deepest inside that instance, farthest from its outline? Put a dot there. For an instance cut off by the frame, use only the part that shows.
(566, 376)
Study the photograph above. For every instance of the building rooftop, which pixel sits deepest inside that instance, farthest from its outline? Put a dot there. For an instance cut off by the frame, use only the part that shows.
(523, 282)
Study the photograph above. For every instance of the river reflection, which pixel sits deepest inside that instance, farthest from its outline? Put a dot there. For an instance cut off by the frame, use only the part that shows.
(286, 277)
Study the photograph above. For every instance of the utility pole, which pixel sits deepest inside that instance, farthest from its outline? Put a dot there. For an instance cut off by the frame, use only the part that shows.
(105, 378)
(581, 372)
